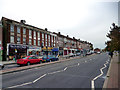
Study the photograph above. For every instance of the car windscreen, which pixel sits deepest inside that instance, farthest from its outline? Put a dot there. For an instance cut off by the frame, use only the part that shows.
(24, 57)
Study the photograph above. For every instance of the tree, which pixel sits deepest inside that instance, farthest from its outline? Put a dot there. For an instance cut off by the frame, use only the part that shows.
(114, 35)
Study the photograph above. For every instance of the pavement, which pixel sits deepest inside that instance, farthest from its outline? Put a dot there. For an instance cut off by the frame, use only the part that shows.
(113, 75)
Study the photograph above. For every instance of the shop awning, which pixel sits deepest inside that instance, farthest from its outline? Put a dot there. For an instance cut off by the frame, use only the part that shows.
(55, 49)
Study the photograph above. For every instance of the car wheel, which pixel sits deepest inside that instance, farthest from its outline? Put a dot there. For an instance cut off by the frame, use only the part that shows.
(40, 62)
(28, 63)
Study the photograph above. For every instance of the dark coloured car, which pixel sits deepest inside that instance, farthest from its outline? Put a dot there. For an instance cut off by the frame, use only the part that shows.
(49, 58)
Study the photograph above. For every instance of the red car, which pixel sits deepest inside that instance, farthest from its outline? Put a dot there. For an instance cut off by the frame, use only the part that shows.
(29, 60)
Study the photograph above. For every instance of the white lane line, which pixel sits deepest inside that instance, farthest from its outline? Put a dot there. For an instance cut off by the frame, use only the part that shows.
(39, 78)
(20, 85)
(92, 81)
(65, 68)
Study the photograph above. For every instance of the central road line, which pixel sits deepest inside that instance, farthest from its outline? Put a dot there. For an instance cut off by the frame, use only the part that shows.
(92, 81)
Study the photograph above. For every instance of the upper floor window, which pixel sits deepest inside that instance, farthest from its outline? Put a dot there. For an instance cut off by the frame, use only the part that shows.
(12, 28)
(18, 29)
(42, 35)
(30, 41)
(34, 42)
(30, 32)
(24, 31)
(46, 36)
(34, 34)
(38, 43)
(12, 39)
(18, 39)
(38, 35)
(24, 40)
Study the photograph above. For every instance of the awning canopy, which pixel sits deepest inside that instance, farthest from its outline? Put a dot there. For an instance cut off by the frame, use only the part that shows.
(55, 49)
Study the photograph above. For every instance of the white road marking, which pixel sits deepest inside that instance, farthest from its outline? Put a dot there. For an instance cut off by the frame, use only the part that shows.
(92, 81)
(20, 85)
(65, 68)
(39, 78)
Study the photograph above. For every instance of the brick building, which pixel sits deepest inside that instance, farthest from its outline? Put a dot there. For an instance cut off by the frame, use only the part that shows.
(23, 39)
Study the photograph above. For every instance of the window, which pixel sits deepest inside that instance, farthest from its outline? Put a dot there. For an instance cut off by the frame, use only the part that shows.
(46, 36)
(18, 29)
(34, 34)
(43, 36)
(30, 32)
(12, 28)
(46, 43)
(30, 41)
(38, 35)
(12, 39)
(18, 39)
(38, 43)
(34, 42)
(24, 40)
(24, 31)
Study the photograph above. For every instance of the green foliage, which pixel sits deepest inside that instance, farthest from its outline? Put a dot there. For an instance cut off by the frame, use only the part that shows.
(114, 35)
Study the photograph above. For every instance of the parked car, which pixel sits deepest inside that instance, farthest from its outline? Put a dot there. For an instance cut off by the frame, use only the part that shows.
(49, 58)
(29, 60)
(77, 54)
(1, 66)
(71, 55)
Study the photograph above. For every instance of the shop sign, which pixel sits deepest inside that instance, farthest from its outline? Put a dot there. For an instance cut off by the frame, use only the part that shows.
(65, 49)
(18, 46)
(31, 47)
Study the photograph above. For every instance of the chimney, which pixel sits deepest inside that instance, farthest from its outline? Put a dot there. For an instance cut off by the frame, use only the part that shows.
(23, 21)
(46, 29)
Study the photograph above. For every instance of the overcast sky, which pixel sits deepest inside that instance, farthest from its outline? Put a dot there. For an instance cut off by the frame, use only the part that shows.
(85, 19)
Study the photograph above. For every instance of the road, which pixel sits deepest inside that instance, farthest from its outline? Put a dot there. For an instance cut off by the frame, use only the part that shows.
(76, 73)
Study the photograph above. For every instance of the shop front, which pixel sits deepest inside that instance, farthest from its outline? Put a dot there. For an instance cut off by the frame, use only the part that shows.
(55, 51)
(16, 50)
(60, 51)
(34, 50)
(47, 50)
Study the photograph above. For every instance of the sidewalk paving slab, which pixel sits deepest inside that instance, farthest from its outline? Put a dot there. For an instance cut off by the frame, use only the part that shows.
(113, 75)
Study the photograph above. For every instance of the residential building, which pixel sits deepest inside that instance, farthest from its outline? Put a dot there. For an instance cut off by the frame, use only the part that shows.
(22, 39)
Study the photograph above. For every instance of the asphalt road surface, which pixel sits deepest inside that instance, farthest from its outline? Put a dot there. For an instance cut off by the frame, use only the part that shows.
(87, 72)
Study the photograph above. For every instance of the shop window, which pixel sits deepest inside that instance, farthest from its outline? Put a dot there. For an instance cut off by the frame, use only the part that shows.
(12, 28)
(18, 39)
(24, 40)
(24, 31)
(12, 39)
(18, 29)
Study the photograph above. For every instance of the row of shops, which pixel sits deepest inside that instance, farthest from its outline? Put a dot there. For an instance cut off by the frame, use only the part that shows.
(26, 50)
